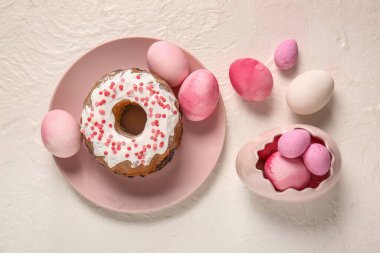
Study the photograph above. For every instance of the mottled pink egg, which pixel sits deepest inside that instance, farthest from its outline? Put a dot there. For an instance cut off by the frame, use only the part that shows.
(293, 143)
(285, 173)
(285, 56)
(199, 95)
(317, 159)
(168, 61)
(60, 133)
(251, 79)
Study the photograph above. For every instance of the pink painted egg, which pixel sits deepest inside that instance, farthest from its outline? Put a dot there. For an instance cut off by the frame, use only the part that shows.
(317, 159)
(168, 61)
(251, 79)
(285, 173)
(293, 143)
(199, 95)
(60, 133)
(285, 56)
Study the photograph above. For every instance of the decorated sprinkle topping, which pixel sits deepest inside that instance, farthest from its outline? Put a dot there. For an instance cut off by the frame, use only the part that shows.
(159, 105)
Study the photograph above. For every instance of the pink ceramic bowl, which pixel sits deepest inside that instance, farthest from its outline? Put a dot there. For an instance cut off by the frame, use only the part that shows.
(248, 166)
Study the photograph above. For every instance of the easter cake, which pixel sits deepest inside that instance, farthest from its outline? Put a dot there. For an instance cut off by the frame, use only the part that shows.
(131, 122)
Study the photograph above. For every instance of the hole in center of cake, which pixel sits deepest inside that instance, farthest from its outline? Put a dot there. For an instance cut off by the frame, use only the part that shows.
(130, 118)
(133, 119)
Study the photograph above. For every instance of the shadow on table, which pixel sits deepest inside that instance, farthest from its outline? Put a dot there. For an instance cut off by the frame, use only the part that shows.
(319, 213)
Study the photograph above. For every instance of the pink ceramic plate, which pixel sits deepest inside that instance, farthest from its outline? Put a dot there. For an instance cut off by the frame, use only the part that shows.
(201, 144)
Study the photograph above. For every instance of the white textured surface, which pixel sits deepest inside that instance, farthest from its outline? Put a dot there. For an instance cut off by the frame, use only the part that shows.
(39, 212)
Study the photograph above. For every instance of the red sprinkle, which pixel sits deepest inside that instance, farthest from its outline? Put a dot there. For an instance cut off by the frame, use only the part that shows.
(161, 144)
(164, 115)
(127, 155)
(121, 86)
(129, 148)
(141, 84)
(145, 104)
(102, 112)
(103, 121)
(110, 125)
(100, 92)
(113, 96)
(138, 77)
(88, 119)
(105, 153)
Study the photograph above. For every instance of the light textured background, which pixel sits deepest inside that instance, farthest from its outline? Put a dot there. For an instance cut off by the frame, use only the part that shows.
(39, 212)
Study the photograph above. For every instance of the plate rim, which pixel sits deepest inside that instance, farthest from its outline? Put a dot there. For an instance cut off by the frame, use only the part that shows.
(149, 210)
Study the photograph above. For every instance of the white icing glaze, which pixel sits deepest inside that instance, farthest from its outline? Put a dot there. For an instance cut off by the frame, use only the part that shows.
(159, 105)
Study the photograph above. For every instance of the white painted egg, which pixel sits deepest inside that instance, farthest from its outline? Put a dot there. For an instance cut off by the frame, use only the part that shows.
(310, 91)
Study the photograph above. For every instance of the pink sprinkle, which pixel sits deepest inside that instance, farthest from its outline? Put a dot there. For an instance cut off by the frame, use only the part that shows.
(153, 131)
(111, 136)
(113, 148)
(127, 155)
(118, 148)
(164, 115)
(129, 148)
(145, 104)
(154, 146)
(157, 115)
(138, 77)
(136, 98)
(102, 112)
(123, 142)
(110, 125)
(136, 145)
(141, 84)
(113, 96)
(106, 93)
(103, 121)
(92, 127)
(121, 86)
(113, 143)
(161, 144)
(107, 144)
(123, 80)
(141, 89)
(149, 146)
(175, 112)
(150, 115)
(114, 152)
(105, 153)
(133, 140)
(82, 130)
(100, 92)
